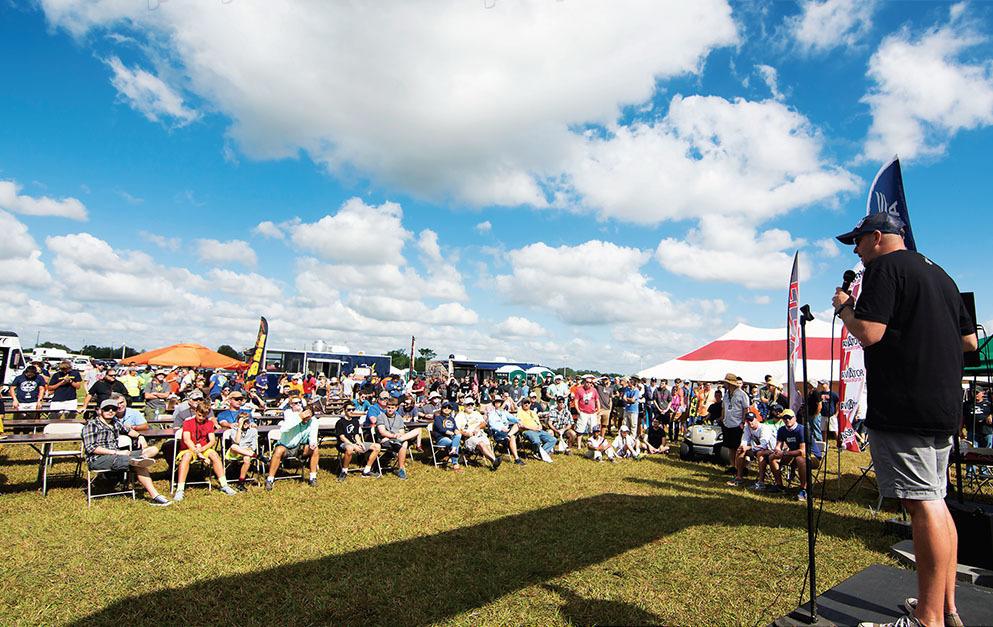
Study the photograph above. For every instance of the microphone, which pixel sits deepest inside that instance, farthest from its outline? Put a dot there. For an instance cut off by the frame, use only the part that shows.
(847, 279)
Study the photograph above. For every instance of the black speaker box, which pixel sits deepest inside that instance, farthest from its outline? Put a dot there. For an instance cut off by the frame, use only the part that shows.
(974, 524)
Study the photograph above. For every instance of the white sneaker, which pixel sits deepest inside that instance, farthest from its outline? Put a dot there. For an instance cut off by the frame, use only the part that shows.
(178, 496)
(226, 490)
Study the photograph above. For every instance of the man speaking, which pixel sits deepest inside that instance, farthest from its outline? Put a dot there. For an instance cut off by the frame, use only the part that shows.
(914, 328)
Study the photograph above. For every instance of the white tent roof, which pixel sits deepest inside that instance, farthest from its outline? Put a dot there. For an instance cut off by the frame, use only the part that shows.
(753, 352)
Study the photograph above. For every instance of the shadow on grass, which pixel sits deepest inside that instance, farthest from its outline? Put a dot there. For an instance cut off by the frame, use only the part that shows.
(424, 580)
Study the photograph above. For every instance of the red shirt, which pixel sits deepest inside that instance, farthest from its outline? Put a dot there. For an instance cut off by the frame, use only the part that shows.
(199, 432)
(309, 384)
(586, 399)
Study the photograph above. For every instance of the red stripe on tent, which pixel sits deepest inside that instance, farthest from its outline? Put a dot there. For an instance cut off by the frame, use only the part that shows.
(765, 350)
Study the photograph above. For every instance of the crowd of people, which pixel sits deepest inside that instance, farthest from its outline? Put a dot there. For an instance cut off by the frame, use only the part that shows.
(604, 418)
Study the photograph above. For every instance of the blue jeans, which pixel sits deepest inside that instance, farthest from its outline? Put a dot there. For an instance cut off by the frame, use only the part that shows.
(815, 428)
(450, 443)
(541, 439)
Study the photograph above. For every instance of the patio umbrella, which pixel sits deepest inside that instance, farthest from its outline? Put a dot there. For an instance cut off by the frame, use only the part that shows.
(189, 355)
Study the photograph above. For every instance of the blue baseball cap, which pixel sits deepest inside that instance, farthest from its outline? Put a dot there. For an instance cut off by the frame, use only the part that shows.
(882, 222)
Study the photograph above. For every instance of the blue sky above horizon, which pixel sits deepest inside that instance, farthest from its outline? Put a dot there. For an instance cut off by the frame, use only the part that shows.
(547, 181)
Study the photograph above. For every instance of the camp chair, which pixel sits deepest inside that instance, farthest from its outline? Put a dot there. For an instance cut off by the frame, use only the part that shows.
(195, 464)
(280, 473)
(127, 485)
(815, 473)
(50, 453)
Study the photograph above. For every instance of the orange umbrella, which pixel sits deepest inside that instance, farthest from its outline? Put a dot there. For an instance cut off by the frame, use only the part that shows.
(190, 355)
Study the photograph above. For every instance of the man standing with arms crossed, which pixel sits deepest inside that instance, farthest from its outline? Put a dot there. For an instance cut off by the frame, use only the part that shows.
(914, 327)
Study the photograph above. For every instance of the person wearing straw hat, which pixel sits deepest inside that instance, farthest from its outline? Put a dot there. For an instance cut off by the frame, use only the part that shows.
(733, 415)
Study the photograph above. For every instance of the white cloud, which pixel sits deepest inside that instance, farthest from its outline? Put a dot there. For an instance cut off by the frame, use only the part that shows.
(518, 327)
(167, 243)
(427, 243)
(924, 93)
(29, 270)
(484, 227)
(269, 230)
(827, 247)
(827, 24)
(66, 208)
(771, 78)
(217, 253)
(17, 241)
(730, 250)
(149, 95)
(479, 127)
(131, 200)
(359, 234)
(709, 156)
(249, 286)
(593, 283)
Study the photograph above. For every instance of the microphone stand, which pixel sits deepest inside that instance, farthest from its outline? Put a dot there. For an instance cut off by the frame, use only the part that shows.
(805, 317)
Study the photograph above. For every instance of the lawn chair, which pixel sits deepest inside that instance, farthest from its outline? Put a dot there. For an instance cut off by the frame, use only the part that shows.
(196, 464)
(127, 484)
(815, 473)
(441, 452)
(50, 453)
(274, 436)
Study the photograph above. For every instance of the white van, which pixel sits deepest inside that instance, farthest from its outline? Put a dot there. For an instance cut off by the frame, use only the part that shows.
(11, 357)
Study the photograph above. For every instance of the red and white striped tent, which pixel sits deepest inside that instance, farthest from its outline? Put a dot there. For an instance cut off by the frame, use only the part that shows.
(751, 353)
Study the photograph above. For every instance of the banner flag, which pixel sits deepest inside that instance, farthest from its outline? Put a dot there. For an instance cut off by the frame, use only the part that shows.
(885, 195)
(257, 365)
(793, 336)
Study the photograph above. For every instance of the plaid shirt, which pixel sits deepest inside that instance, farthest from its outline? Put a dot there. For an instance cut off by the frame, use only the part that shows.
(559, 419)
(98, 433)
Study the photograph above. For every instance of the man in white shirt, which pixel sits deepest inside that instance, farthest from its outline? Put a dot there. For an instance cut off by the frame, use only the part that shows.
(755, 439)
(472, 424)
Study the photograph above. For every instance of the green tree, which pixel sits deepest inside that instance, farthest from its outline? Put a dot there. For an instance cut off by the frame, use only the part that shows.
(228, 351)
(399, 358)
(54, 345)
(424, 356)
(107, 352)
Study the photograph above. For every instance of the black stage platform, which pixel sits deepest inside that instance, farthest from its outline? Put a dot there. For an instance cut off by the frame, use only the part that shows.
(877, 594)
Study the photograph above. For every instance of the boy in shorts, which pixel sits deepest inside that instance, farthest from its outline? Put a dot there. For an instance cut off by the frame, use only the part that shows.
(198, 443)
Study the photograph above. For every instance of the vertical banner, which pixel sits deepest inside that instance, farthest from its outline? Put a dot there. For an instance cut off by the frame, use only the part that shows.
(257, 365)
(885, 196)
(793, 336)
(410, 369)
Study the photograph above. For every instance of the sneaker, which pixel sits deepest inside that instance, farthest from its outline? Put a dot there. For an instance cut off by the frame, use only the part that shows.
(952, 619)
(401, 474)
(142, 462)
(519, 462)
(178, 496)
(312, 483)
(496, 463)
(801, 495)
(160, 501)
(268, 486)
(758, 485)
(457, 468)
(419, 448)
(241, 487)
(342, 476)
(568, 451)
(734, 482)
(264, 460)
(903, 621)
(226, 490)
(773, 489)
(613, 460)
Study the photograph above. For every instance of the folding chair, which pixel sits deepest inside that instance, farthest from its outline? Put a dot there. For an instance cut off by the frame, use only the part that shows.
(437, 449)
(257, 468)
(195, 462)
(815, 473)
(123, 442)
(273, 442)
(50, 453)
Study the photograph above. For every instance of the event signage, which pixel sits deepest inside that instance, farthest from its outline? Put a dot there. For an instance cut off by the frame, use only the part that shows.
(258, 355)
(793, 336)
(885, 195)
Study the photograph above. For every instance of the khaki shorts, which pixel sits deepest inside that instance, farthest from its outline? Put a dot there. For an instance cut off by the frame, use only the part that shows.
(910, 466)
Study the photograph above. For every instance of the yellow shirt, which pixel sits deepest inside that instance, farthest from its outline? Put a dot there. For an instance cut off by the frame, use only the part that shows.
(528, 420)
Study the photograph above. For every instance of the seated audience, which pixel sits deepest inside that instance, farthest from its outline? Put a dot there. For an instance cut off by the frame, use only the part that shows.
(597, 445)
(100, 445)
(229, 417)
(791, 449)
(244, 444)
(472, 427)
(198, 442)
(757, 438)
(541, 440)
(626, 444)
(350, 442)
(129, 416)
(446, 434)
(654, 439)
(394, 438)
(560, 425)
(503, 426)
(297, 438)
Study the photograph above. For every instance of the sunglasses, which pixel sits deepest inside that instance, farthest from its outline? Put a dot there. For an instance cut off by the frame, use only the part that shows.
(108, 409)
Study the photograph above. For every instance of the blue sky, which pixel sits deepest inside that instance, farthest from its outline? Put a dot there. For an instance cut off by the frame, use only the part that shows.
(606, 185)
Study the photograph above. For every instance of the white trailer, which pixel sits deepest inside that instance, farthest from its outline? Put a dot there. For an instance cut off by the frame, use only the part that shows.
(11, 357)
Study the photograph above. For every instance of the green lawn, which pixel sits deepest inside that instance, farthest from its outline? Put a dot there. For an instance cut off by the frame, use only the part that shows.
(660, 541)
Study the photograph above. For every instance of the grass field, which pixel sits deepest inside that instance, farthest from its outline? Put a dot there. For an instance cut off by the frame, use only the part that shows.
(658, 541)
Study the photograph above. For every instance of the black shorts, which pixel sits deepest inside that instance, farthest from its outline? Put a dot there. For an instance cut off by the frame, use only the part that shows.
(732, 438)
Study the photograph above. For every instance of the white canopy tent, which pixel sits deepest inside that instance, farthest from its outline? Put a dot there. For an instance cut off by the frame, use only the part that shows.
(753, 352)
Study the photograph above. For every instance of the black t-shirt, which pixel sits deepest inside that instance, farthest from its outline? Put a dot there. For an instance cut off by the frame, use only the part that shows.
(655, 436)
(64, 392)
(101, 391)
(829, 403)
(714, 411)
(914, 373)
(348, 427)
(813, 403)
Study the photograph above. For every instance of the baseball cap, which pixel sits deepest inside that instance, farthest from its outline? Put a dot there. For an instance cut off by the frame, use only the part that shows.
(108, 403)
(882, 222)
(625, 428)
